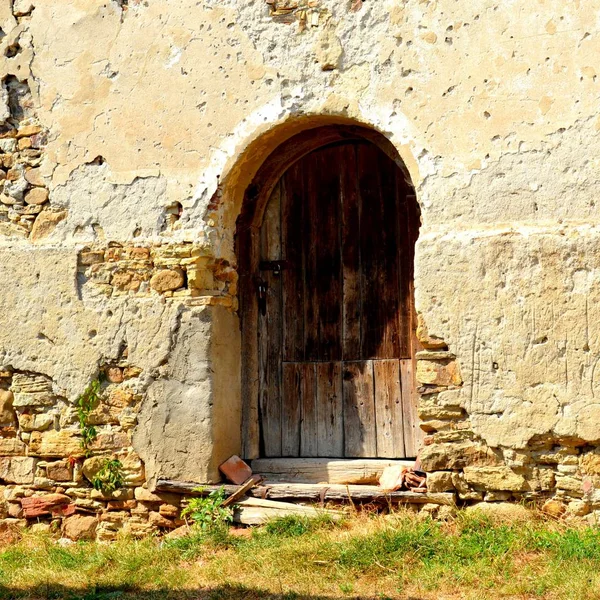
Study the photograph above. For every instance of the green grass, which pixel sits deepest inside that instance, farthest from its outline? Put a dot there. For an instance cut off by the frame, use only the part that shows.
(365, 556)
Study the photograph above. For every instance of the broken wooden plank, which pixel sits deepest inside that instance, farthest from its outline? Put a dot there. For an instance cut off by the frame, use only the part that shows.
(324, 470)
(243, 489)
(256, 511)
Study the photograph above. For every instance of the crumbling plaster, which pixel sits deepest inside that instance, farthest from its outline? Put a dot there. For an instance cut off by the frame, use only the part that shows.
(491, 105)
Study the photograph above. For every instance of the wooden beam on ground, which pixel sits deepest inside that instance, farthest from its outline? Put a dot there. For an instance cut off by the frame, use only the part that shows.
(316, 492)
(256, 511)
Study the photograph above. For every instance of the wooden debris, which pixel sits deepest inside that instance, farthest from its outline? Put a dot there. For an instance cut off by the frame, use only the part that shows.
(236, 470)
(241, 491)
(255, 511)
(397, 478)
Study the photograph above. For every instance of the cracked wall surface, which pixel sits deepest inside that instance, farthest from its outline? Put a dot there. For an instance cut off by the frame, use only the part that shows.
(147, 120)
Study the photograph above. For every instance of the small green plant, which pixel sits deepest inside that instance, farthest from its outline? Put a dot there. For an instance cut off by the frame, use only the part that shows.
(86, 403)
(110, 476)
(208, 511)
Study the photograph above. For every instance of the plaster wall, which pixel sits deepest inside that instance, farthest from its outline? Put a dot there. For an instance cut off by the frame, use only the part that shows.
(155, 116)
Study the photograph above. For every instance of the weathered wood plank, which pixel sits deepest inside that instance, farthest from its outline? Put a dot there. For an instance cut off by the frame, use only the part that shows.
(326, 170)
(350, 236)
(319, 470)
(293, 197)
(249, 239)
(337, 492)
(256, 511)
(310, 229)
(388, 408)
(330, 423)
(314, 492)
(379, 255)
(410, 417)
(243, 489)
(270, 331)
(291, 409)
(406, 243)
(308, 413)
(360, 436)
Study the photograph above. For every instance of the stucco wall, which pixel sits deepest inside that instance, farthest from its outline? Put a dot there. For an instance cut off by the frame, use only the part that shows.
(154, 116)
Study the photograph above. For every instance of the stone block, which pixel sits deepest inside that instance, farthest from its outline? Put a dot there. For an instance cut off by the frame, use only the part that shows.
(80, 527)
(157, 520)
(143, 494)
(8, 416)
(110, 440)
(10, 446)
(45, 224)
(495, 478)
(169, 511)
(17, 469)
(120, 494)
(55, 443)
(440, 481)
(590, 463)
(430, 409)
(438, 372)
(36, 195)
(133, 469)
(574, 485)
(36, 506)
(449, 456)
(167, 280)
(37, 422)
(59, 470)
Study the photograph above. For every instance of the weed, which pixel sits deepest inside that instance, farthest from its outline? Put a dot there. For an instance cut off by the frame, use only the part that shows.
(208, 511)
(109, 477)
(86, 403)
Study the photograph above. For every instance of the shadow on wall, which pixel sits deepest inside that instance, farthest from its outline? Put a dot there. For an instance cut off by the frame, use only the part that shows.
(221, 592)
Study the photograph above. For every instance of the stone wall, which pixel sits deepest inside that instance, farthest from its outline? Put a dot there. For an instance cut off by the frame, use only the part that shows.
(129, 132)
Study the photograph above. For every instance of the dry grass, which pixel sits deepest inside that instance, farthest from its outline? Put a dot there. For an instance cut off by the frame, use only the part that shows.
(366, 556)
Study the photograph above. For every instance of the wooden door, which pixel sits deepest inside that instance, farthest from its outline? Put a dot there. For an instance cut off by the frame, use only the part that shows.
(335, 308)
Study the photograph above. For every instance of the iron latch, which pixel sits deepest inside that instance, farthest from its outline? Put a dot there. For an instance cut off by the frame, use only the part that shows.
(274, 265)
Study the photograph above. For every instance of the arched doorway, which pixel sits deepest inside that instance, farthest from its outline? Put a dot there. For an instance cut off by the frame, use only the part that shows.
(325, 246)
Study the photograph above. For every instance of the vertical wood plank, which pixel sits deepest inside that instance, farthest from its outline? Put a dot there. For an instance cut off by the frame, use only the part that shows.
(327, 168)
(406, 204)
(388, 408)
(379, 254)
(293, 197)
(290, 418)
(410, 417)
(350, 241)
(249, 240)
(330, 423)
(359, 410)
(270, 331)
(309, 416)
(310, 230)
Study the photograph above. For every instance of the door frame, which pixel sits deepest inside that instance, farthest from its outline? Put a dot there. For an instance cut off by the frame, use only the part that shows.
(247, 239)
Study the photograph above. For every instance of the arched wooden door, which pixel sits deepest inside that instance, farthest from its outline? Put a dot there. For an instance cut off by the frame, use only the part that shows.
(335, 308)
